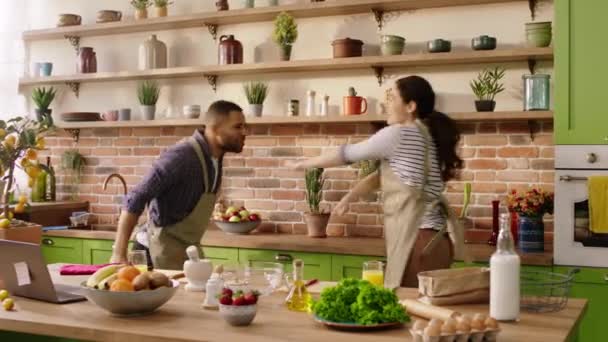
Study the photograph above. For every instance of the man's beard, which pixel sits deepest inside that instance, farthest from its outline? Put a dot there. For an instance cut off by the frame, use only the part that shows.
(234, 147)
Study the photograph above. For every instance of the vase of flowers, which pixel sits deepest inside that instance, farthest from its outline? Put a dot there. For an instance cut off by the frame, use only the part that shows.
(530, 207)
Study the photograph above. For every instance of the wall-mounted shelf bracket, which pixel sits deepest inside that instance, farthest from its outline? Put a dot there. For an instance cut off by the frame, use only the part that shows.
(212, 79)
(533, 4)
(212, 30)
(379, 17)
(379, 72)
(534, 127)
(74, 87)
(532, 65)
(74, 41)
(75, 133)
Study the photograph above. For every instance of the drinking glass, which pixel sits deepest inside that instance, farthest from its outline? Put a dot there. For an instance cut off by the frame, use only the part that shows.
(138, 259)
(373, 271)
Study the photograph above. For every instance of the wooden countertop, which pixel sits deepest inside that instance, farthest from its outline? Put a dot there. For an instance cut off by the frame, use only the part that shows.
(183, 319)
(302, 243)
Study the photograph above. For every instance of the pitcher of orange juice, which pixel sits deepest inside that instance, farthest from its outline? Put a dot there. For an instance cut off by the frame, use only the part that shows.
(373, 271)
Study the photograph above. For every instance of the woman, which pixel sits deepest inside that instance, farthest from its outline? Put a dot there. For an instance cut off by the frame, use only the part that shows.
(418, 154)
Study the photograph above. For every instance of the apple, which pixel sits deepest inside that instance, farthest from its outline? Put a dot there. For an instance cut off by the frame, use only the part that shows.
(230, 210)
(254, 217)
(225, 218)
(234, 219)
(243, 213)
(245, 219)
(243, 208)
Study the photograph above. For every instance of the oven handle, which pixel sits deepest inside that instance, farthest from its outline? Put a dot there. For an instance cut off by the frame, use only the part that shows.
(568, 178)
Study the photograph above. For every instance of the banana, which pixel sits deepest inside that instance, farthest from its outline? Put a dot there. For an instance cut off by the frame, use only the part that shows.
(102, 274)
(107, 282)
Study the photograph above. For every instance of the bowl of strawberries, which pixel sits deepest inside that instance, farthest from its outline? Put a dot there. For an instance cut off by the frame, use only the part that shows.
(236, 220)
(238, 308)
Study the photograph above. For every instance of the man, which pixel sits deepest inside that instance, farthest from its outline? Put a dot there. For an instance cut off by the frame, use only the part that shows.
(180, 190)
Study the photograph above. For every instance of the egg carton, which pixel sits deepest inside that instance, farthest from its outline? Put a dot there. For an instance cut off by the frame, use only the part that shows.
(488, 335)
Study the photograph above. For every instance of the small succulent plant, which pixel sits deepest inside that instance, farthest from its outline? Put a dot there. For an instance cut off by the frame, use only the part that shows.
(352, 91)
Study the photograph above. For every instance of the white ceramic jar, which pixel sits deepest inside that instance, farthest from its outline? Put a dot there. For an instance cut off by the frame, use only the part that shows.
(152, 54)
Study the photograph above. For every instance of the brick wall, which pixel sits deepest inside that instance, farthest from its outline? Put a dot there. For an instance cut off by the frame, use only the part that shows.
(499, 157)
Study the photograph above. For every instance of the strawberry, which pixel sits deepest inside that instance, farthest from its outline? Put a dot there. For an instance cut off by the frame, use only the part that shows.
(227, 292)
(239, 301)
(226, 300)
(251, 298)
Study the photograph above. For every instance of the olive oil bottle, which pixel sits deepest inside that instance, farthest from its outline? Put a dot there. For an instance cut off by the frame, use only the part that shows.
(298, 298)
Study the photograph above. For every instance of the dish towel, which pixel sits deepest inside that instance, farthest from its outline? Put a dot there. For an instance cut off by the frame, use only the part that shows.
(598, 204)
(78, 269)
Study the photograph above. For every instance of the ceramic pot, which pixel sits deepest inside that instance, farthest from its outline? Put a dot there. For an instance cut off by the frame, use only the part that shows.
(161, 11)
(285, 52)
(439, 45)
(147, 112)
(124, 114)
(152, 54)
(197, 273)
(531, 234)
(392, 45)
(539, 34)
(87, 60)
(536, 92)
(256, 109)
(67, 19)
(111, 115)
(347, 48)
(354, 105)
(46, 69)
(293, 107)
(483, 42)
(43, 114)
(316, 224)
(222, 5)
(107, 16)
(141, 14)
(485, 105)
(230, 50)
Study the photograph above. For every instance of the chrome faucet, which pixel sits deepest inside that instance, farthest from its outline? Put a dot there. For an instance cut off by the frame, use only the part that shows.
(115, 175)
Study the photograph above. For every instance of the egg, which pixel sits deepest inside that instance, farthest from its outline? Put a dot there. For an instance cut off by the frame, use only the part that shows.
(491, 323)
(432, 330)
(451, 321)
(480, 316)
(478, 324)
(448, 328)
(419, 326)
(465, 318)
(463, 326)
(435, 322)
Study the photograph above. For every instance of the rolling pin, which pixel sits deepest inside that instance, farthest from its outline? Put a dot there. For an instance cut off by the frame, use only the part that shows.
(416, 308)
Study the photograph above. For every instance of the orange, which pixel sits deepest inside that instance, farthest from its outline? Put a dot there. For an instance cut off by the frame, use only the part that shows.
(121, 285)
(128, 273)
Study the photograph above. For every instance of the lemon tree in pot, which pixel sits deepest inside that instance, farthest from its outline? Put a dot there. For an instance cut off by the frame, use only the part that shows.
(285, 34)
(316, 220)
(486, 87)
(256, 94)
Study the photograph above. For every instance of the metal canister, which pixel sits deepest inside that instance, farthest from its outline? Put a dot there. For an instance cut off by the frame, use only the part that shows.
(293, 108)
(536, 92)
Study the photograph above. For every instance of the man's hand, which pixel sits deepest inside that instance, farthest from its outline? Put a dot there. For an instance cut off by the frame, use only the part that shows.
(118, 259)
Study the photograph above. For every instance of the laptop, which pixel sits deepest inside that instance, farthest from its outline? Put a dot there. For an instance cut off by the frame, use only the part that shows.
(25, 273)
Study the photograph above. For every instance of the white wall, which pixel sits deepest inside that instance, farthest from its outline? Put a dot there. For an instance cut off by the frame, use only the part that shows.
(195, 47)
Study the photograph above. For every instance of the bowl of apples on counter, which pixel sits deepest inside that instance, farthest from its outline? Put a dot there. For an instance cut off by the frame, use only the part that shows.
(236, 220)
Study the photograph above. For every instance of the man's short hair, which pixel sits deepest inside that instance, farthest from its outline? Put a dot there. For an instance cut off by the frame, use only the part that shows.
(219, 111)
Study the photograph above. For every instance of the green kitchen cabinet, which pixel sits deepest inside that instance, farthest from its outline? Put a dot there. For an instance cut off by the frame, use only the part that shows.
(591, 284)
(96, 251)
(221, 254)
(580, 72)
(348, 266)
(316, 265)
(22, 337)
(62, 250)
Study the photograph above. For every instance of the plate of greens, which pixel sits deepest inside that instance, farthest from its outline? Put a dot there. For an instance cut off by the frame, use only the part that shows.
(358, 305)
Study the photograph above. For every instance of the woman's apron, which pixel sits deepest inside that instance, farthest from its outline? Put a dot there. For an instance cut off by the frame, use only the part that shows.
(168, 244)
(404, 207)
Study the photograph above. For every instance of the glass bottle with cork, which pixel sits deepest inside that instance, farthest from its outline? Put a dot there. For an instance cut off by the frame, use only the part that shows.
(298, 298)
(50, 193)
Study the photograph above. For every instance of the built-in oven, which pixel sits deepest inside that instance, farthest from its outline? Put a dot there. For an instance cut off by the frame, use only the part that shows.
(574, 241)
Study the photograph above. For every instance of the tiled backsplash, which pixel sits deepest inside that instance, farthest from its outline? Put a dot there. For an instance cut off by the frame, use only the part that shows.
(499, 157)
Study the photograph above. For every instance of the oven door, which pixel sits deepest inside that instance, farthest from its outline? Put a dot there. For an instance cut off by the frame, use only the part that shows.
(574, 243)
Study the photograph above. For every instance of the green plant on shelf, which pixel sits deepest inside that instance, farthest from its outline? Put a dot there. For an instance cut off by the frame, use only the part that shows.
(487, 85)
(285, 29)
(256, 92)
(162, 3)
(73, 163)
(141, 4)
(314, 188)
(43, 98)
(148, 93)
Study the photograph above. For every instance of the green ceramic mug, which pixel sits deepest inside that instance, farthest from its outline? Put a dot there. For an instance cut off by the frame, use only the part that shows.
(392, 45)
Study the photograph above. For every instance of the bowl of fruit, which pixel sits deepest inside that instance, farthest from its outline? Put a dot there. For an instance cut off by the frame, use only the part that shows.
(236, 220)
(124, 290)
(238, 308)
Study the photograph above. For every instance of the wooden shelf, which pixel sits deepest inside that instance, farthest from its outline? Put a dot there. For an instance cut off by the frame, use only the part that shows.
(409, 60)
(307, 10)
(265, 120)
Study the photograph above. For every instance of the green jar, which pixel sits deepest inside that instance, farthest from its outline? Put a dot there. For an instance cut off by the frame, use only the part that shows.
(39, 188)
(536, 92)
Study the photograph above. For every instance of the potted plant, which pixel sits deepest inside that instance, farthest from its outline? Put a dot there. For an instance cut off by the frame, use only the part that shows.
(530, 207)
(316, 221)
(42, 98)
(353, 104)
(73, 163)
(486, 87)
(141, 8)
(256, 94)
(21, 141)
(285, 34)
(147, 93)
(161, 7)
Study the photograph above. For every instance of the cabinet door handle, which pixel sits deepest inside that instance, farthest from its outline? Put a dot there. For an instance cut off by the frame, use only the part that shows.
(47, 242)
(283, 257)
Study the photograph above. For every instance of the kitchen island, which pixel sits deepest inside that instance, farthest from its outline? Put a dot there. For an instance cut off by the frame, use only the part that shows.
(183, 319)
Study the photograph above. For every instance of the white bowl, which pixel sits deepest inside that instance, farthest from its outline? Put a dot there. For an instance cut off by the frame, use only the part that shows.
(130, 303)
(238, 315)
(237, 227)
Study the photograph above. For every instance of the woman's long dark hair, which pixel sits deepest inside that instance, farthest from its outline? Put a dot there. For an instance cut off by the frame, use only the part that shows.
(443, 129)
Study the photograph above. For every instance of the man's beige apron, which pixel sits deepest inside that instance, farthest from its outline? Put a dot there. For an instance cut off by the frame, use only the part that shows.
(404, 207)
(168, 244)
